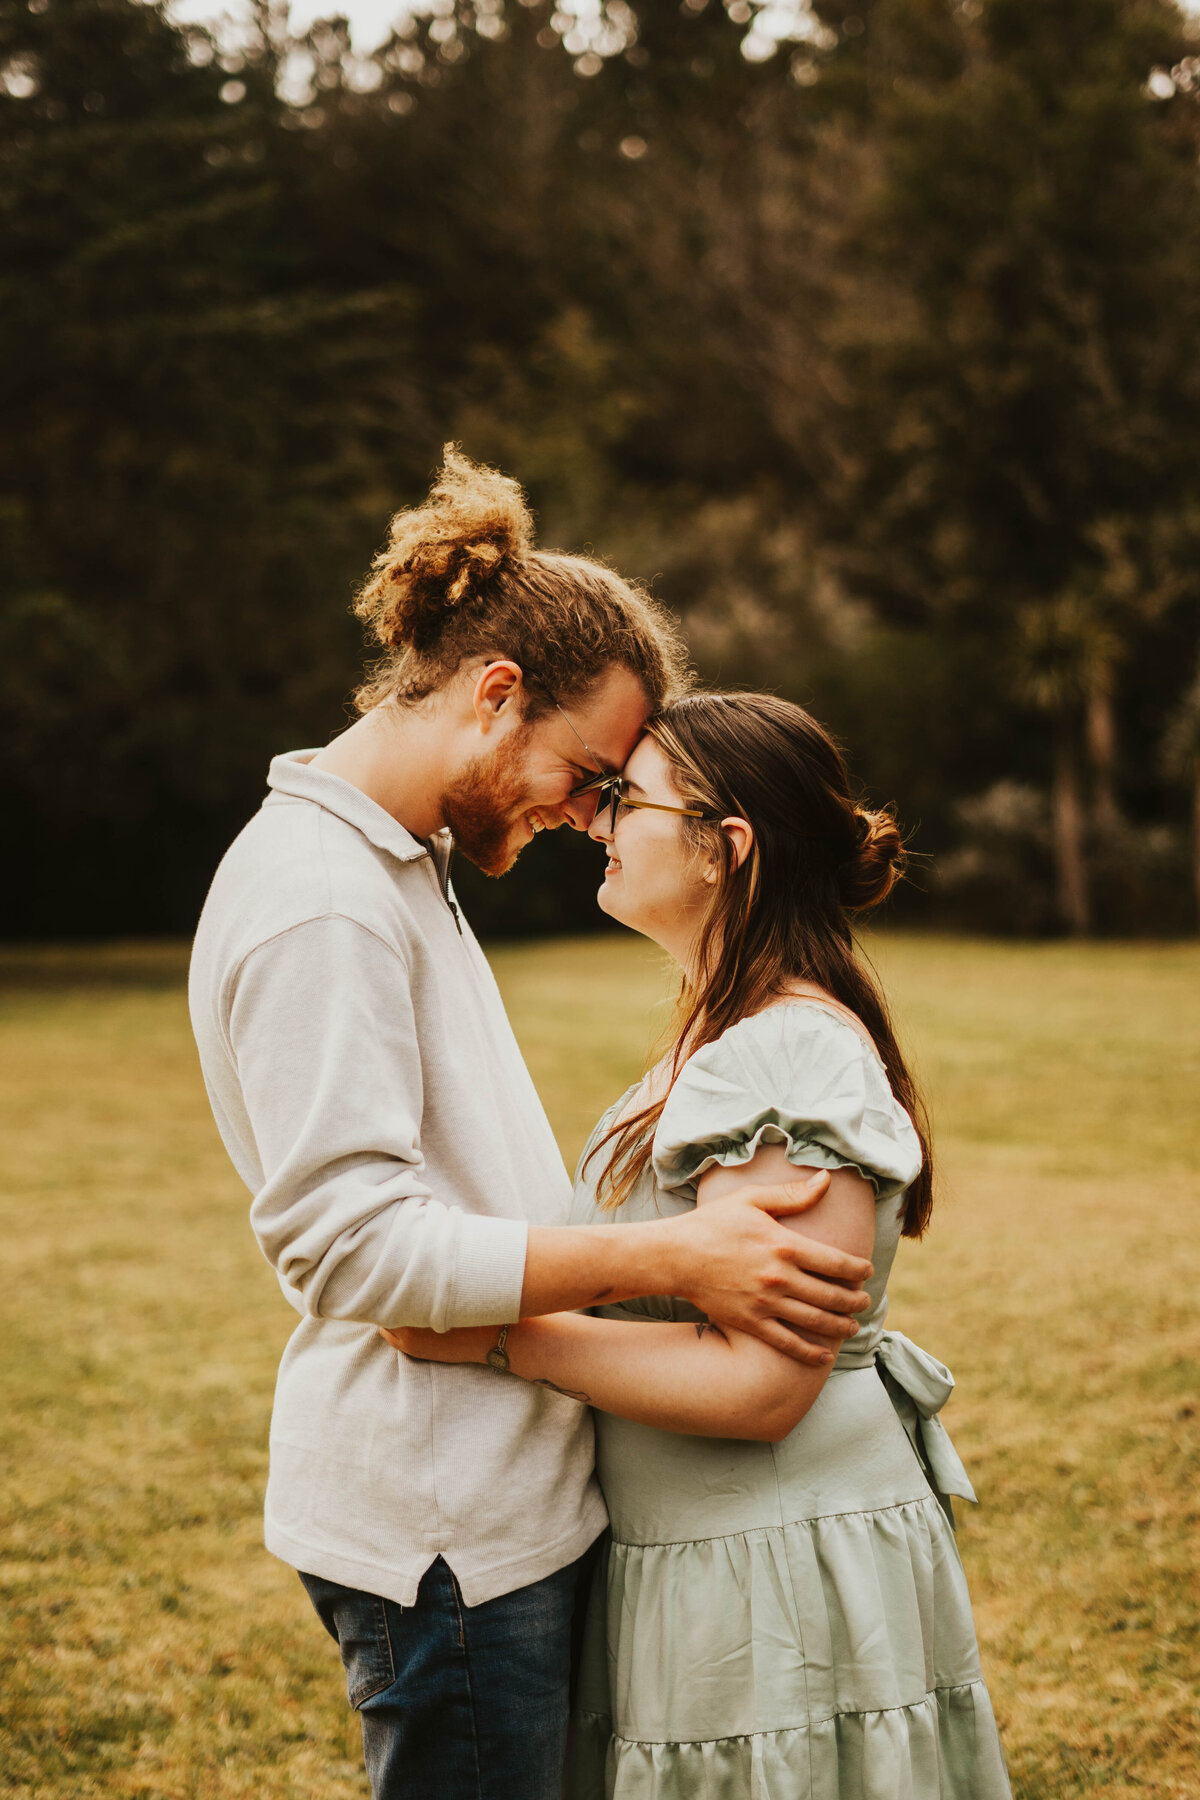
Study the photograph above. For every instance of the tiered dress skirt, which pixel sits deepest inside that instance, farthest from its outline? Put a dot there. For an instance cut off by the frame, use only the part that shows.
(781, 1621)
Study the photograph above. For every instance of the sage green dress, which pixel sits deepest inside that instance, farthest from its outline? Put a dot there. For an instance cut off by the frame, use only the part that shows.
(785, 1621)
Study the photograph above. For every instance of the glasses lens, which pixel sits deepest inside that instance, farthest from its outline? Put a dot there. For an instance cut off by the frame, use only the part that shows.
(593, 785)
(593, 793)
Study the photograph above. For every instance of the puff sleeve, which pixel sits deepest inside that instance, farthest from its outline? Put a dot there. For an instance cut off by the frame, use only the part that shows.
(794, 1074)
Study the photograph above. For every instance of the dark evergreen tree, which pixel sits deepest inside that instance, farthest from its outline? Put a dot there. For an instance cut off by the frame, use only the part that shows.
(873, 348)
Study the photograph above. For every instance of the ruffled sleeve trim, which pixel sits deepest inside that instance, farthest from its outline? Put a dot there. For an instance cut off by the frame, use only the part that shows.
(795, 1075)
(804, 1152)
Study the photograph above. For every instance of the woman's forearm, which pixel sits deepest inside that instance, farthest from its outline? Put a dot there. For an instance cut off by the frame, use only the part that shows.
(693, 1379)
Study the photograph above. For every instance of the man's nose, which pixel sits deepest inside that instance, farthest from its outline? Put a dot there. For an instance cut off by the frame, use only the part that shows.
(580, 812)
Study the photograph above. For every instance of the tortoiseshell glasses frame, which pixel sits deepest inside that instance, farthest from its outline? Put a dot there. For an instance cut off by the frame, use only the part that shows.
(612, 794)
(611, 790)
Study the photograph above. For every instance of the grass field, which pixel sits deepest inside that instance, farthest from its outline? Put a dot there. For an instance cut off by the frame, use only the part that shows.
(150, 1647)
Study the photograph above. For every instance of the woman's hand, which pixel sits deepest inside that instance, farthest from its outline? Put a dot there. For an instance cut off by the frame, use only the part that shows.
(466, 1344)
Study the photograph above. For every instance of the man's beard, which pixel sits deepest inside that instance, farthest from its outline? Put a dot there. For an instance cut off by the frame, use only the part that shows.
(483, 803)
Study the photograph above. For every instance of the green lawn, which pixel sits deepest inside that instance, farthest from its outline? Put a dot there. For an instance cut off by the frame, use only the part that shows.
(151, 1647)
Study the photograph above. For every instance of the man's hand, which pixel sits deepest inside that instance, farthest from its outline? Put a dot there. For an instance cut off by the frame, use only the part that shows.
(750, 1273)
(464, 1344)
(731, 1257)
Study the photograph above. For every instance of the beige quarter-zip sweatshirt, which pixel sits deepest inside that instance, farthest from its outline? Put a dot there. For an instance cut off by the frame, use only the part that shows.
(368, 1087)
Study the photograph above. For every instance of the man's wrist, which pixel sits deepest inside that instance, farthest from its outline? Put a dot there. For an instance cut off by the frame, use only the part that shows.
(674, 1262)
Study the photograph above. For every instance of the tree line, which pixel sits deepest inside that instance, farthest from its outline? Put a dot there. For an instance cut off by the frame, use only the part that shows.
(865, 330)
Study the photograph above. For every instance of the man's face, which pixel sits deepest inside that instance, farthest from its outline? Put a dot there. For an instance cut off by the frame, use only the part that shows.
(499, 800)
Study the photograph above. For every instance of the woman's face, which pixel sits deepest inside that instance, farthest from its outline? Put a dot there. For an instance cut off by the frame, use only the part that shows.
(654, 882)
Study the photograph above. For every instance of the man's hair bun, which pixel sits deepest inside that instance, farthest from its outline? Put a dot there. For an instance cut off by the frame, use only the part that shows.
(460, 582)
(871, 870)
(440, 558)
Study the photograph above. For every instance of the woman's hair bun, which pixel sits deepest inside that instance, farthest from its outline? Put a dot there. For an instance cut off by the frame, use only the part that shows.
(440, 557)
(871, 870)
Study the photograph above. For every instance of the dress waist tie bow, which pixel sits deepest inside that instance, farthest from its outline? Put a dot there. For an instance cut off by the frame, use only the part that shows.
(918, 1386)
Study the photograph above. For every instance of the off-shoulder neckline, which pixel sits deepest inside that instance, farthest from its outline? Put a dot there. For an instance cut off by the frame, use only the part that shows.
(833, 1008)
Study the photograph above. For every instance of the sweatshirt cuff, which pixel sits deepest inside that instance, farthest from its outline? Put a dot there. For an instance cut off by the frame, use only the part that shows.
(489, 1273)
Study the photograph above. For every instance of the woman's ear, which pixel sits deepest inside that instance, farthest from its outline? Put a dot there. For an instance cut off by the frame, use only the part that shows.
(741, 837)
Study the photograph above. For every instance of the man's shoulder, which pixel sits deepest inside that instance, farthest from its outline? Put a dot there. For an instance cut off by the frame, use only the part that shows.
(295, 864)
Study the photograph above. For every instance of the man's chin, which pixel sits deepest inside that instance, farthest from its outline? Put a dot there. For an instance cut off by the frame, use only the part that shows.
(493, 859)
(485, 808)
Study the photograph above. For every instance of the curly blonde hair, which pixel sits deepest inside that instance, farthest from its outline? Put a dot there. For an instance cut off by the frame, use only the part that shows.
(459, 577)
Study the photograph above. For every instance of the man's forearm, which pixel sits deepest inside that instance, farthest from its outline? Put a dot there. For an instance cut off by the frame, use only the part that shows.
(569, 1267)
(731, 1259)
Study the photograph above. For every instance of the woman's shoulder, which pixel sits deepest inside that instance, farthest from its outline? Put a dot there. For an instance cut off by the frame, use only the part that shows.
(788, 1036)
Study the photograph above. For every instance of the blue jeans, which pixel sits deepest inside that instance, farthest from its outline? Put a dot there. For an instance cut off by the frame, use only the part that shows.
(459, 1702)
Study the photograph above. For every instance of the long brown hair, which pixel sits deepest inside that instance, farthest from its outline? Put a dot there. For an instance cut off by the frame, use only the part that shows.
(785, 914)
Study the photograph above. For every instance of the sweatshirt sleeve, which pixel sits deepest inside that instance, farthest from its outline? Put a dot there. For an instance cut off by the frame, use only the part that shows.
(322, 1030)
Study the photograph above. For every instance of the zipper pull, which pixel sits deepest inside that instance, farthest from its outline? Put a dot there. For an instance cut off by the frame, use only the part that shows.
(441, 851)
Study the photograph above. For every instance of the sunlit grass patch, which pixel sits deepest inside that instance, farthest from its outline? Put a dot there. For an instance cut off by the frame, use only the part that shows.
(149, 1646)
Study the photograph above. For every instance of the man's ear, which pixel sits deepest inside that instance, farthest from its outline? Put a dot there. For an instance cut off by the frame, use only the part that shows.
(499, 691)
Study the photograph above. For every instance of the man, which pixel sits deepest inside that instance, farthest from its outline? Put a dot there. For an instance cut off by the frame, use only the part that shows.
(368, 1087)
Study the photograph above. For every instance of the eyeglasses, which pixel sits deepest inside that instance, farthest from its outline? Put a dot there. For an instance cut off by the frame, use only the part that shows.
(612, 795)
(611, 790)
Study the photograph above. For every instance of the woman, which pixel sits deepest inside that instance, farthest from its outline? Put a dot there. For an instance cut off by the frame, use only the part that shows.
(783, 1614)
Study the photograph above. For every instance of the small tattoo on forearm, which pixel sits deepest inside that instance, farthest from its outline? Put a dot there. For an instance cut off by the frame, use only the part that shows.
(567, 1393)
(703, 1325)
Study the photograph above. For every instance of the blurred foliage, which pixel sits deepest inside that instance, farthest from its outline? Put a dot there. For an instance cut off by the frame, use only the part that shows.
(864, 329)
